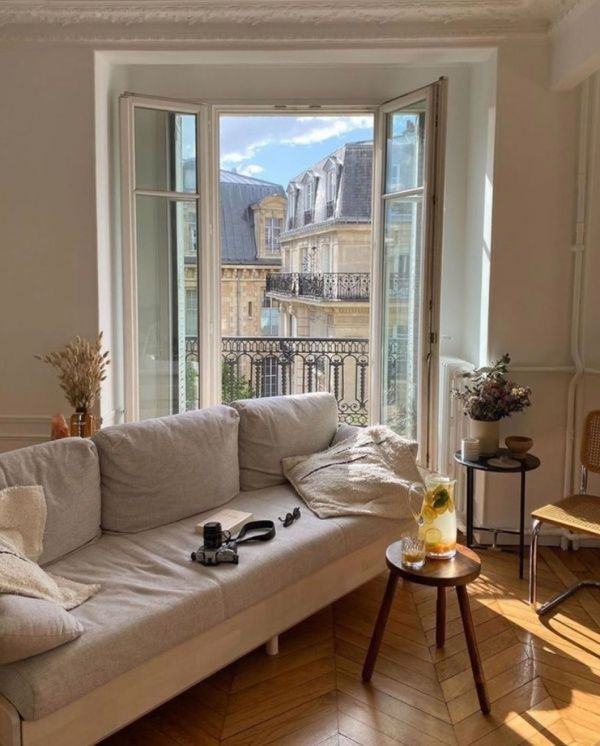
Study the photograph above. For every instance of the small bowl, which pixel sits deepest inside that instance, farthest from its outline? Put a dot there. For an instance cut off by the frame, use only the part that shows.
(518, 445)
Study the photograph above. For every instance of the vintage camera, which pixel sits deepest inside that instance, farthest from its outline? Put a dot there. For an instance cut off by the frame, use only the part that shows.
(218, 546)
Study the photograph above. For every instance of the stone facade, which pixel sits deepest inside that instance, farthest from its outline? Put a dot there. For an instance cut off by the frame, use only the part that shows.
(250, 249)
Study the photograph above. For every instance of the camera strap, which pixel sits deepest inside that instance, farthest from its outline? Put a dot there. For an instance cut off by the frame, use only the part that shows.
(256, 531)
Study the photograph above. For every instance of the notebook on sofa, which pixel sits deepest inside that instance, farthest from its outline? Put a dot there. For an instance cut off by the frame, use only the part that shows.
(230, 520)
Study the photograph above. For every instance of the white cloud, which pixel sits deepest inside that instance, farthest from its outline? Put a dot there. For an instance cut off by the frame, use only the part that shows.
(327, 128)
(250, 150)
(252, 169)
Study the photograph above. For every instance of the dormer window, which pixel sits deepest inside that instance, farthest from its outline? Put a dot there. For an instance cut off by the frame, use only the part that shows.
(291, 207)
(309, 198)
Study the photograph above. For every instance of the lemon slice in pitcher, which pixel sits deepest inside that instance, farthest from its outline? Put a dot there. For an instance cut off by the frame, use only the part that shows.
(428, 514)
(433, 536)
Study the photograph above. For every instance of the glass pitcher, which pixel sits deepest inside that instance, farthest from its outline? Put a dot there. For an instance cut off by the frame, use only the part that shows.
(433, 508)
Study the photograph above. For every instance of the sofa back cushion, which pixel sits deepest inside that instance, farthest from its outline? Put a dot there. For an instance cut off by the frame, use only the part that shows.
(280, 426)
(68, 470)
(159, 471)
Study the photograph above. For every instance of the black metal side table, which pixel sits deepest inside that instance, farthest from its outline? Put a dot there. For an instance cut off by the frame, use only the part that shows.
(529, 463)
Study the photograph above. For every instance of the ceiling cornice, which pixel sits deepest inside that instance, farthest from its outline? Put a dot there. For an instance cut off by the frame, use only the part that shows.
(173, 20)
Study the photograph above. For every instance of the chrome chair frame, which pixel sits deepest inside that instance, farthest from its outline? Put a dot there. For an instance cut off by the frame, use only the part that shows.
(559, 597)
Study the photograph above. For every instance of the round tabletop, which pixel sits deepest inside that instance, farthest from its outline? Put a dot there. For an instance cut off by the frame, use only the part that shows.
(529, 463)
(464, 567)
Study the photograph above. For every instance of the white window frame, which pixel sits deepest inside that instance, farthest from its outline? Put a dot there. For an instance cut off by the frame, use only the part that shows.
(272, 246)
(330, 182)
(435, 97)
(202, 197)
(292, 195)
(209, 268)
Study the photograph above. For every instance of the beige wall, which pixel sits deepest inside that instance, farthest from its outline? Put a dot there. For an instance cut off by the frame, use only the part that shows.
(48, 276)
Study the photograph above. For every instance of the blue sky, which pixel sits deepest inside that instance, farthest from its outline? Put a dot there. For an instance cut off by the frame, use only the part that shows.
(276, 148)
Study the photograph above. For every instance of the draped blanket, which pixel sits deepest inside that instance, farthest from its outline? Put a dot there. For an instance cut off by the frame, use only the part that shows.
(22, 523)
(369, 474)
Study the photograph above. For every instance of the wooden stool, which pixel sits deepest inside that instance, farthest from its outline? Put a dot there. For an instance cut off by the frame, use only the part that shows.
(457, 572)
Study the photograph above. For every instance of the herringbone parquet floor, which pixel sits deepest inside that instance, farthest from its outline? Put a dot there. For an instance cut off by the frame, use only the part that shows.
(543, 676)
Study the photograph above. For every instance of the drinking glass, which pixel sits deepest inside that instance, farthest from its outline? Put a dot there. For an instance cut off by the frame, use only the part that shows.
(413, 552)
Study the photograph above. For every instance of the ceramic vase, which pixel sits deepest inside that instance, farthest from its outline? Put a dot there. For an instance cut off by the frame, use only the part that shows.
(488, 434)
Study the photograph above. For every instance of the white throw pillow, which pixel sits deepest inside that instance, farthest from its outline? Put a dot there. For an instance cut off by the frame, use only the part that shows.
(31, 625)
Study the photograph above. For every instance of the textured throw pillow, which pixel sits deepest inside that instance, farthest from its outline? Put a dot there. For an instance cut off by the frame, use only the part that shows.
(367, 474)
(31, 626)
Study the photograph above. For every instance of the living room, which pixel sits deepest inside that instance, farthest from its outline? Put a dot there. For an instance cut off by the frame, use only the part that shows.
(504, 256)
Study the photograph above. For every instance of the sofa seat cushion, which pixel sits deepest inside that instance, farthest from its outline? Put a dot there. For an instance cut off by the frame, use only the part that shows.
(153, 597)
(162, 470)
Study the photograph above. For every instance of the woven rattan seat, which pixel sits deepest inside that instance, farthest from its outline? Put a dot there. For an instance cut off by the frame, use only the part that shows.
(578, 513)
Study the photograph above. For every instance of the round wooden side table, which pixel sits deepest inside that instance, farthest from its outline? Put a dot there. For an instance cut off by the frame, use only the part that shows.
(441, 574)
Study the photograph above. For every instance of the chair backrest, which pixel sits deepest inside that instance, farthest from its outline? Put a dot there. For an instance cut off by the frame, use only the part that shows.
(590, 444)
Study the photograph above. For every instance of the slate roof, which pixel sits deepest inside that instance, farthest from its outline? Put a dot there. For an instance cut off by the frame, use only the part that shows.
(354, 169)
(238, 194)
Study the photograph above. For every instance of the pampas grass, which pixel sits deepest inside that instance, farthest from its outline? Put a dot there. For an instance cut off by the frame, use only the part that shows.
(81, 368)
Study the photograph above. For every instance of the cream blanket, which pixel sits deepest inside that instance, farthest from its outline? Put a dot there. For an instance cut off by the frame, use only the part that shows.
(369, 474)
(22, 524)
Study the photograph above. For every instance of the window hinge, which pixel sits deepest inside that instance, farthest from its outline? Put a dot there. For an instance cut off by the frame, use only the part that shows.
(433, 338)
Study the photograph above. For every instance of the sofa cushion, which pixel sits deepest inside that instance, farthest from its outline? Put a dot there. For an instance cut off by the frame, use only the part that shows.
(279, 426)
(158, 471)
(68, 470)
(153, 597)
(33, 625)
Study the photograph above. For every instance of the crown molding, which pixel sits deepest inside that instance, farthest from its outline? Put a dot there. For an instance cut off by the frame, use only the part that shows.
(286, 20)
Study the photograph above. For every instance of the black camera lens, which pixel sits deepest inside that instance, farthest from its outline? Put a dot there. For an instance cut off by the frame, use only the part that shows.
(212, 535)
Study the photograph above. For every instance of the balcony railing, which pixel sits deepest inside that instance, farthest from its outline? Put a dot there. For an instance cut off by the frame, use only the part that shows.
(344, 286)
(253, 367)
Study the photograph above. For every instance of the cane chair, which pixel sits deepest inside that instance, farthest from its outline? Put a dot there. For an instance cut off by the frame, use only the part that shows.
(578, 513)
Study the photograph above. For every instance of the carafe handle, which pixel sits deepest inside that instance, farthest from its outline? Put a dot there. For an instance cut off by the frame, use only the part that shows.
(416, 495)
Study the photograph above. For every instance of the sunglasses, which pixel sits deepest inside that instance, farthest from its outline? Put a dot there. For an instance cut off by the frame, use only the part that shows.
(290, 517)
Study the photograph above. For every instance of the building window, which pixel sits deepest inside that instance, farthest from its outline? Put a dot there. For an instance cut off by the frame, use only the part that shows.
(191, 313)
(309, 200)
(270, 384)
(330, 190)
(291, 208)
(272, 233)
(250, 309)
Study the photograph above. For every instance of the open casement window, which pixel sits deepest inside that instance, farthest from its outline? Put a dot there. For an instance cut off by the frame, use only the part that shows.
(408, 199)
(162, 249)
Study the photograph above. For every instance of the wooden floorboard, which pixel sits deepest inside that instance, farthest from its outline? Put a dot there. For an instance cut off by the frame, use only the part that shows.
(543, 675)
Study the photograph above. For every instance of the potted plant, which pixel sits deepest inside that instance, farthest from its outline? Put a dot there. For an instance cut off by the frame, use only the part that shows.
(487, 397)
(81, 368)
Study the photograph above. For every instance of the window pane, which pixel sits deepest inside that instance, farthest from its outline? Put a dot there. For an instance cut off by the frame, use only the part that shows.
(401, 291)
(167, 306)
(165, 150)
(405, 137)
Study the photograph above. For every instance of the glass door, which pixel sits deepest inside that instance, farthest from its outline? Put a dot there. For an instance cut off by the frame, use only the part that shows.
(161, 207)
(408, 235)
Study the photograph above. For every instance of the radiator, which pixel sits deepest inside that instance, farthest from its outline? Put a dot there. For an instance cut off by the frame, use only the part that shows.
(452, 427)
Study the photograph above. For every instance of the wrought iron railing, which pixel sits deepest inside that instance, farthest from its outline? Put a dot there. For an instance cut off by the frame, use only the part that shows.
(345, 286)
(269, 366)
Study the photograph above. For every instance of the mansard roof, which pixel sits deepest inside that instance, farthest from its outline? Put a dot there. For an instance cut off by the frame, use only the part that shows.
(352, 204)
(238, 194)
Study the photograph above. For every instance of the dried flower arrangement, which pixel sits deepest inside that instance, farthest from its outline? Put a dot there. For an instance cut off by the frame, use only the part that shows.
(81, 368)
(490, 396)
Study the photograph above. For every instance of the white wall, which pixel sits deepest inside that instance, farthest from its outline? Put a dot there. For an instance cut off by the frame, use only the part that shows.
(48, 277)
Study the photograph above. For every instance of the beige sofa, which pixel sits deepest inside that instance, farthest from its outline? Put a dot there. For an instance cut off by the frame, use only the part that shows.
(121, 512)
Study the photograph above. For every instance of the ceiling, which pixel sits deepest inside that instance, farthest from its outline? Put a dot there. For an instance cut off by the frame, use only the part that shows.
(280, 20)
